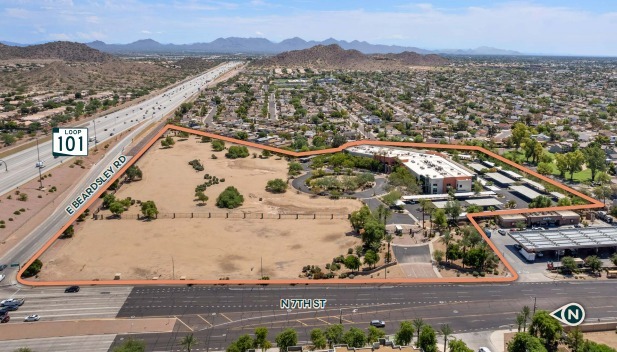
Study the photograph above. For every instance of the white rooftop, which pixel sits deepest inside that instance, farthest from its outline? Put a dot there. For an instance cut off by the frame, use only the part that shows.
(429, 165)
(566, 239)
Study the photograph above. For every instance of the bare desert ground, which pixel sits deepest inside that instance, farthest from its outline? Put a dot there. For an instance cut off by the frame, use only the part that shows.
(203, 248)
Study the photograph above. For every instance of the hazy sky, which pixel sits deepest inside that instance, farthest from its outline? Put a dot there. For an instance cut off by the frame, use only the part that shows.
(543, 26)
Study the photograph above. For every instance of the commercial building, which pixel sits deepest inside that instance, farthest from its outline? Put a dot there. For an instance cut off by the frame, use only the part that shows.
(435, 172)
(572, 239)
(547, 218)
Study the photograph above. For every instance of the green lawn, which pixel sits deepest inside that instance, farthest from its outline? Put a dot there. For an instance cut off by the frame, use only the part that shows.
(580, 176)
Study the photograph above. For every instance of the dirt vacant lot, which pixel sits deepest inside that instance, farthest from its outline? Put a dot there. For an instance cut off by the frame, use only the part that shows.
(203, 248)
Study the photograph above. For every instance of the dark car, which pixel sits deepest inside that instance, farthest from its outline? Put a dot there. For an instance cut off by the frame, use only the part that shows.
(9, 308)
(72, 289)
(5, 319)
(3, 266)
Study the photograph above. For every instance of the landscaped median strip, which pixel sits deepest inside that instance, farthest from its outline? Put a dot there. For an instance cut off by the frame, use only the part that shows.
(593, 203)
(62, 328)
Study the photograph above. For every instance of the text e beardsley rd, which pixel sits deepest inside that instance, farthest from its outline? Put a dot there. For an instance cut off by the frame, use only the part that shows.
(105, 176)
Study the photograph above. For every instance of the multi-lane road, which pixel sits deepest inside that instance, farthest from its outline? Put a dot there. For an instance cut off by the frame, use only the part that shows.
(218, 315)
(113, 123)
(22, 165)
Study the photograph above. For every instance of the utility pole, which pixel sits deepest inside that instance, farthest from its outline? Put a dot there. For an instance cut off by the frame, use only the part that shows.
(173, 268)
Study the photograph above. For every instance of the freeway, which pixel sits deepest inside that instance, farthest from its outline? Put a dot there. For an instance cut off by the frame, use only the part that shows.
(35, 240)
(21, 165)
(219, 315)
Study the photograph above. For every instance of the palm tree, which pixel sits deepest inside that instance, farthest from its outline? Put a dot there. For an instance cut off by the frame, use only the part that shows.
(526, 312)
(423, 204)
(520, 320)
(418, 323)
(446, 331)
(446, 239)
(188, 342)
(388, 239)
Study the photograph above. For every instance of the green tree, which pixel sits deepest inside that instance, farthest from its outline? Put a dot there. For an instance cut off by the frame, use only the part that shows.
(133, 173)
(359, 218)
(438, 255)
(338, 140)
(418, 324)
(201, 197)
(595, 158)
(108, 199)
(540, 202)
(116, 208)
(545, 168)
(566, 201)
(276, 186)
(294, 168)
(569, 264)
(189, 341)
(445, 330)
(561, 161)
(391, 198)
(371, 258)
(575, 340)
(459, 346)
(453, 210)
(427, 340)
(148, 209)
(318, 338)
(477, 187)
(23, 349)
(439, 219)
(374, 334)
(352, 262)
(404, 335)
(285, 339)
(614, 259)
(575, 161)
(33, 269)
(8, 139)
(547, 328)
(261, 339)
(266, 153)
(402, 179)
(236, 152)
(590, 346)
(354, 337)
(131, 345)
(218, 145)
(526, 313)
(374, 231)
(524, 342)
(594, 263)
(230, 198)
(334, 334)
(519, 133)
(520, 321)
(242, 135)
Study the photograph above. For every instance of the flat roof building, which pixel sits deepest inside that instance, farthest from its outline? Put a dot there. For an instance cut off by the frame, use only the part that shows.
(437, 173)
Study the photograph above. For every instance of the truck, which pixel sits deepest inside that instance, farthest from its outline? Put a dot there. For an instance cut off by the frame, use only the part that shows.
(602, 215)
(530, 256)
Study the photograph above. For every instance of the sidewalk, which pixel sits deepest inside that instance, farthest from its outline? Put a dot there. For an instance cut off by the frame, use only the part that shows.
(41, 329)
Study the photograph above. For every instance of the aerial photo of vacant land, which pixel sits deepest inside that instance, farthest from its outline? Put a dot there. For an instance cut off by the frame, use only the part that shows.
(202, 247)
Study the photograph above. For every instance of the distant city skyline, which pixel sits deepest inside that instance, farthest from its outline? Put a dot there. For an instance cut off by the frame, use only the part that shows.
(564, 27)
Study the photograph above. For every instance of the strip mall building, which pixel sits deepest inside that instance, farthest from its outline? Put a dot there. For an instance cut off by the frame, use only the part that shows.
(435, 171)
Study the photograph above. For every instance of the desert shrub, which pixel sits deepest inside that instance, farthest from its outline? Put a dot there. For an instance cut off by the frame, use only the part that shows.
(34, 268)
(230, 198)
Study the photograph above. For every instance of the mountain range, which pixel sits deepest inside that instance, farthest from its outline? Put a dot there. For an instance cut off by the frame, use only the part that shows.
(334, 57)
(233, 45)
(65, 51)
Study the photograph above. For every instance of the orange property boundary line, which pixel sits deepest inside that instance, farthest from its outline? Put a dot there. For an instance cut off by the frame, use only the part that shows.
(593, 203)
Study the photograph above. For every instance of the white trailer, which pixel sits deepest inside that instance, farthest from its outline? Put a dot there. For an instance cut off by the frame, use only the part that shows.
(530, 256)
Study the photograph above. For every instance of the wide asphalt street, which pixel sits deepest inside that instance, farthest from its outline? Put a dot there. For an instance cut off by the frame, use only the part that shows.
(217, 315)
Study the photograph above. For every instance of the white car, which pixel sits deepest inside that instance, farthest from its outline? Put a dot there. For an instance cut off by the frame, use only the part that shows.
(2, 277)
(12, 302)
(484, 349)
(33, 317)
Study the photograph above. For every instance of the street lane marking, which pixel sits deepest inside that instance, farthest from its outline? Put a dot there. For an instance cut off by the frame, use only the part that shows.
(323, 321)
(183, 323)
(202, 318)
(224, 316)
(302, 323)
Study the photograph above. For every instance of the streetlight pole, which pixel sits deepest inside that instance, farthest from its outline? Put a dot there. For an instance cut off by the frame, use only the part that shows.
(534, 304)
(173, 268)
(38, 165)
(95, 140)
